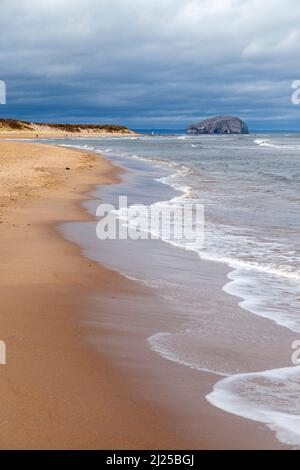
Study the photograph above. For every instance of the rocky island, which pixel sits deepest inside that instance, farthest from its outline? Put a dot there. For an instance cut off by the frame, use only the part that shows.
(219, 125)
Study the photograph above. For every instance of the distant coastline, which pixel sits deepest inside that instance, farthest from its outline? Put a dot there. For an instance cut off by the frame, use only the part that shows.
(15, 128)
(183, 131)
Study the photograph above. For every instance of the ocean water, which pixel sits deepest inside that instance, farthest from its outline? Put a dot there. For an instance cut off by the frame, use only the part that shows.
(250, 188)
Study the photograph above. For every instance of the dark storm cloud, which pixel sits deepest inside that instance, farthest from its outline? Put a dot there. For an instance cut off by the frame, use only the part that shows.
(151, 63)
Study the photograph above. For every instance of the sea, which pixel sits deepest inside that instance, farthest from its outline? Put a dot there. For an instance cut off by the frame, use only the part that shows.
(250, 188)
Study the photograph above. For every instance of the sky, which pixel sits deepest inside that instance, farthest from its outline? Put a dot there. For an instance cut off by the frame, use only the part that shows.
(151, 63)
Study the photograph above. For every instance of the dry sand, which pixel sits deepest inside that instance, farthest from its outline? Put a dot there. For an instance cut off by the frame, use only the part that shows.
(54, 391)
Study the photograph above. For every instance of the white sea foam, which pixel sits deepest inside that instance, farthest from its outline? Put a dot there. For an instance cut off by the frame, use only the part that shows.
(162, 344)
(265, 296)
(270, 397)
(80, 147)
(271, 144)
(267, 143)
(253, 265)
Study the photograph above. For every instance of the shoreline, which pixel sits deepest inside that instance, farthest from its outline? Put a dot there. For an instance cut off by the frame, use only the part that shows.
(141, 323)
(62, 393)
(35, 135)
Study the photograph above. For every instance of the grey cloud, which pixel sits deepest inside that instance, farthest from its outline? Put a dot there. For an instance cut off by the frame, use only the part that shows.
(150, 63)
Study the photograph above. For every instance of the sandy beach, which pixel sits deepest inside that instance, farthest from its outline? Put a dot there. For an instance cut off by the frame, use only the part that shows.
(56, 134)
(56, 390)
